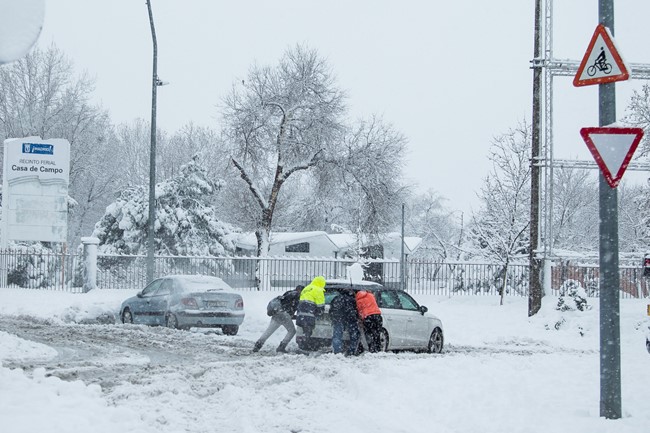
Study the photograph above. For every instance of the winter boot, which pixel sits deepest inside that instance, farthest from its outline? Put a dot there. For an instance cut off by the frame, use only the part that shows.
(258, 346)
(282, 348)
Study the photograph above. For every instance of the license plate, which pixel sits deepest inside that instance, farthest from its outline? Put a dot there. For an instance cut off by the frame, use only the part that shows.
(215, 303)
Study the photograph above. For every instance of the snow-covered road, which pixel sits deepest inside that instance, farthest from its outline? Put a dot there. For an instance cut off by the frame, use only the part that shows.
(499, 371)
(110, 354)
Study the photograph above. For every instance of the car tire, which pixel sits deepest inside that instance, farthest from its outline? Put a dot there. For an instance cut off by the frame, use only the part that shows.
(127, 317)
(647, 345)
(230, 329)
(436, 341)
(384, 340)
(171, 321)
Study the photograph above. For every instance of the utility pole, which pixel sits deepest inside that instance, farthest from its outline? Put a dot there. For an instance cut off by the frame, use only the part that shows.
(535, 286)
(610, 332)
(402, 261)
(152, 154)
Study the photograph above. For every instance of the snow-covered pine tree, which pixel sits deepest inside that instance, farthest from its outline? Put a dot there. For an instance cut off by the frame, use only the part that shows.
(185, 220)
(572, 297)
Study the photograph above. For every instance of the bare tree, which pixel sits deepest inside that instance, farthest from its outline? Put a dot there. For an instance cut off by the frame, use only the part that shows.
(635, 211)
(360, 189)
(281, 121)
(500, 229)
(575, 209)
(191, 140)
(441, 230)
(131, 146)
(370, 173)
(41, 95)
(634, 217)
(639, 116)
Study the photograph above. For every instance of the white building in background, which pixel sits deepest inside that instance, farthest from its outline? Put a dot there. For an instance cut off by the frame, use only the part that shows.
(299, 244)
(387, 246)
(385, 249)
(318, 244)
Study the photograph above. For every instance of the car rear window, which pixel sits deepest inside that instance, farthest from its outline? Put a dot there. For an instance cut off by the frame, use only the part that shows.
(201, 286)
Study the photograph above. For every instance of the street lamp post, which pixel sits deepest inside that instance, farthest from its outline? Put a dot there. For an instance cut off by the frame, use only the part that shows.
(152, 154)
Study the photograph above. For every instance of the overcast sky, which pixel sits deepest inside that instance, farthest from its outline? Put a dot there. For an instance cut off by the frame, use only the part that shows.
(450, 75)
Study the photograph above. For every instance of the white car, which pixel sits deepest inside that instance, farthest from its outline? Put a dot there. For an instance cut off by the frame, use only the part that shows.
(407, 325)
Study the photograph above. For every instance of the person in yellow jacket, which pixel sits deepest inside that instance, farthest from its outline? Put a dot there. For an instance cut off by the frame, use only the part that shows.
(310, 306)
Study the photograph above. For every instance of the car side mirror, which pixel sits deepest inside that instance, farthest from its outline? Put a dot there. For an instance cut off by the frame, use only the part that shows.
(423, 309)
(139, 295)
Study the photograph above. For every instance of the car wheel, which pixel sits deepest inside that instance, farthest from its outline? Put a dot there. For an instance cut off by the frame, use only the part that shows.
(436, 341)
(171, 321)
(127, 317)
(647, 345)
(383, 340)
(230, 329)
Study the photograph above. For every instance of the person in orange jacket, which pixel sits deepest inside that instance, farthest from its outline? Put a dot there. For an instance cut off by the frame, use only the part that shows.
(371, 319)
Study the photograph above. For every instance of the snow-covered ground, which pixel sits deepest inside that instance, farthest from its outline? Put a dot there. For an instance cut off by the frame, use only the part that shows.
(499, 372)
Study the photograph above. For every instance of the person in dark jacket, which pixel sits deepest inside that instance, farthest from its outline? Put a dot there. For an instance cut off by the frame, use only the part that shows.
(289, 303)
(344, 316)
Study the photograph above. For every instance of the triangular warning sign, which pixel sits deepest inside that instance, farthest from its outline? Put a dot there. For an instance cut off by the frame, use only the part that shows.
(602, 62)
(612, 148)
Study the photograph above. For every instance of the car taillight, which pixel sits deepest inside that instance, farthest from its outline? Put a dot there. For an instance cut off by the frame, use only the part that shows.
(239, 304)
(190, 302)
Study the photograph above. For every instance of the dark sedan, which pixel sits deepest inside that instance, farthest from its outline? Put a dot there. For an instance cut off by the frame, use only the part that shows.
(185, 301)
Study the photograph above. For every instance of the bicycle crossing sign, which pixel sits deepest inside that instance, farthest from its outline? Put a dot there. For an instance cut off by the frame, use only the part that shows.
(602, 62)
(612, 148)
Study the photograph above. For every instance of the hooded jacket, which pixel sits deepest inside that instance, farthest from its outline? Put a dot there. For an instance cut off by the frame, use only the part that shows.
(314, 292)
(366, 304)
(312, 302)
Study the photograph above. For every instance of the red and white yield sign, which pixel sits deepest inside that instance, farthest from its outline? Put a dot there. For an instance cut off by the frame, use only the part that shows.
(612, 148)
(602, 62)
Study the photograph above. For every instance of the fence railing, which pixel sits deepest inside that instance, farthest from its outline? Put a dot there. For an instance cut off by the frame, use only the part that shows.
(39, 268)
(55, 271)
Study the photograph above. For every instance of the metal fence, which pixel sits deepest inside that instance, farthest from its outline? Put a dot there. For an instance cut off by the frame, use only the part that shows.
(39, 268)
(42, 268)
(631, 280)
(248, 273)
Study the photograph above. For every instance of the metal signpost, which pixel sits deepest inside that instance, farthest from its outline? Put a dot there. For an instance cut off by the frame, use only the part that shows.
(612, 149)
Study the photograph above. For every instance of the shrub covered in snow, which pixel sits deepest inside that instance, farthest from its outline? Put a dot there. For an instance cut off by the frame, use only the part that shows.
(572, 297)
(185, 224)
(33, 264)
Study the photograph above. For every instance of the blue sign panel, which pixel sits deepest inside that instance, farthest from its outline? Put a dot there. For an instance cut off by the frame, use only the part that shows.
(39, 148)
